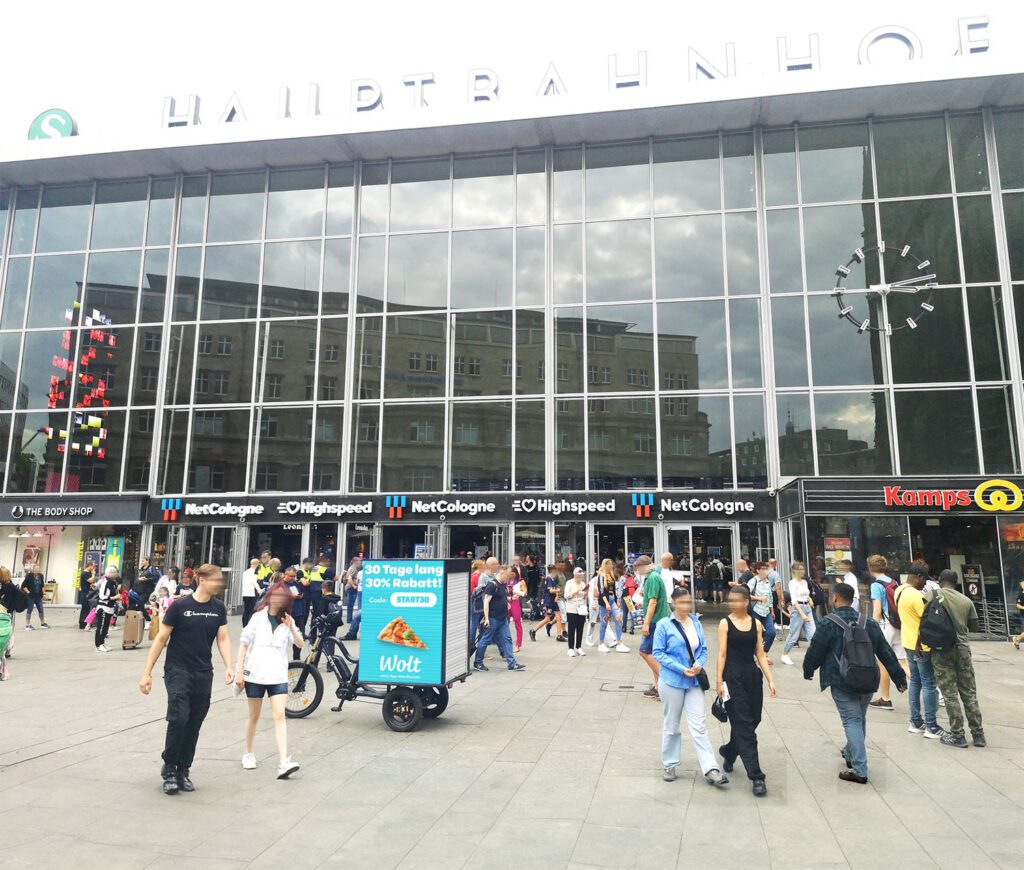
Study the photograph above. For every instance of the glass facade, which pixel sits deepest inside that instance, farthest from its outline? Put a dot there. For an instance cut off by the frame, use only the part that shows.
(641, 315)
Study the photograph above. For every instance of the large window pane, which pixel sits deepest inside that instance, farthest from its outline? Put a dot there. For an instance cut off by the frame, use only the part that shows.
(751, 464)
(530, 352)
(618, 261)
(480, 444)
(852, 430)
(368, 332)
(46, 369)
(370, 275)
(530, 266)
(138, 456)
(365, 447)
(26, 212)
(696, 442)
(796, 452)
(104, 367)
(220, 448)
(181, 350)
(686, 176)
(171, 464)
(95, 451)
(1009, 127)
(340, 200)
(745, 330)
(531, 188)
(286, 362)
(569, 444)
(291, 279)
(921, 452)
(418, 271)
(622, 443)
(970, 162)
(618, 181)
(15, 293)
(927, 226)
(10, 353)
(149, 352)
(119, 219)
(192, 216)
(831, 235)
(568, 184)
(789, 341)
(779, 167)
(530, 448)
(224, 368)
(337, 254)
(416, 356)
(373, 198)
(161, 211)
(995, 413)
(839, 355)
(834, 163)
(64, 218)
(5, 206)
(483, 353)
(567, 265)
(691, 345)
(988, 338)
(327, 448)
(55, 290)
(620, 348)
(937, 349)
(738, 170)
(186, 284)
(978, 238)
(784, 273)
(5, 440)
(482, 191)
(111, 290)
(419, 195)
(37, 451)
(295, 204)
(568, 350)
(333, 340)
(284, 438)
(482, 269)
(911, 157)
(412, 448)
(236, 207)
(154, 285)
(230, 282)
(741, 253)
(688, 256)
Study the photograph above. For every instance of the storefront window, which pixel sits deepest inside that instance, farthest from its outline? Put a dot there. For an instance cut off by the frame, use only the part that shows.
(571, 543)
(1012, 533)
(529, 539)
(832, 539)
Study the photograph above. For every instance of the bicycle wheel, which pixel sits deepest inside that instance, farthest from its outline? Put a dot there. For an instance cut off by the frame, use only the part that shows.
(435, 700)
(305, 690)
(403, 709)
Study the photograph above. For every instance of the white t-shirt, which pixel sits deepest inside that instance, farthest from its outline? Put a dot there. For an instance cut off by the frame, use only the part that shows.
(249, 587)
(851, 578)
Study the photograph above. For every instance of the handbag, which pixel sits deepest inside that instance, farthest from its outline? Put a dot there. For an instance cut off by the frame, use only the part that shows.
(718, 710)
(154, 627)
(702, 678)
(91, 618)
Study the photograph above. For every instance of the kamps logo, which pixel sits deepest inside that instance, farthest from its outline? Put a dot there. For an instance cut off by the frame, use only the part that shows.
(170, 507)
(395, 505)
(643, 502)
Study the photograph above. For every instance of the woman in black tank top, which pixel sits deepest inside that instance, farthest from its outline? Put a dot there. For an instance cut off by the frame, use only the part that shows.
(741, 665)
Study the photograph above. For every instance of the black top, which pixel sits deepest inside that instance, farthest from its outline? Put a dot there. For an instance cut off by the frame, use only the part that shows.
(195, 626)
(33, 583)
(746, 577)
(1020, 598)
(498, 608)
(9, 597)
(740, 646)
(85, 580)
(606, 597)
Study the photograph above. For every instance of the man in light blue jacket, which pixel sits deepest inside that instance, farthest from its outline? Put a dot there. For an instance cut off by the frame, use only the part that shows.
(680, 649)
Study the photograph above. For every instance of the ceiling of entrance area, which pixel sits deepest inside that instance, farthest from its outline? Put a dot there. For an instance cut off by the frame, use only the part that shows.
(805, 107)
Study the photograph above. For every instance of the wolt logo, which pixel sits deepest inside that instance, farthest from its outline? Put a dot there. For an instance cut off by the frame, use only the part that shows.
(395, 505)
(643, 502)
(170, 507)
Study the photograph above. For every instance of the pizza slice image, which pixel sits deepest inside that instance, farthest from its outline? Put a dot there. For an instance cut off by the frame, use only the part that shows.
(398, 632)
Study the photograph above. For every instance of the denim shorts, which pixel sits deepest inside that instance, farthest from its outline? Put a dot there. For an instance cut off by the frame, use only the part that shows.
(647, 644)
(258, 690)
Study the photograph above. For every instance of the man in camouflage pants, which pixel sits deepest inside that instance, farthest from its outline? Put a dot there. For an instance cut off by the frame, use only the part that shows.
(954, 668)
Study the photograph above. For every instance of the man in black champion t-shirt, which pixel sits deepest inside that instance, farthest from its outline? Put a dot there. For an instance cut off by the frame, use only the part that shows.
(188, 630)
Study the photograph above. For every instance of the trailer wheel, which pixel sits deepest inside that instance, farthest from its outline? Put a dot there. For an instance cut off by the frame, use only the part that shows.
(403, 709)
(305, 690)
(435, 701)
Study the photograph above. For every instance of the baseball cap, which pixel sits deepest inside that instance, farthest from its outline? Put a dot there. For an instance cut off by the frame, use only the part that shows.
(920, 570)
(576, 571)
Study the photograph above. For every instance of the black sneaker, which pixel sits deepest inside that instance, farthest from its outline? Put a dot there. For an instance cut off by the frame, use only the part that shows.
(480, 666)
(726, 763)
(184, 783)
(849, 765)
(562, 638)
(170, 776)
(517, 667)
(760, 789)
(953, 740)
(979, 740)
(881, 704)
(533, 635)
(850, 776)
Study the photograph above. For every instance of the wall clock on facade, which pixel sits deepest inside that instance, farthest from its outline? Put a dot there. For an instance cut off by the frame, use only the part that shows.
(904, 273)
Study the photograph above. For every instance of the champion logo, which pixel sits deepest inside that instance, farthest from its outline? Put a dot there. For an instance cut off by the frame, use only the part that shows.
(170, 507)
(395, 505)
(643, 502)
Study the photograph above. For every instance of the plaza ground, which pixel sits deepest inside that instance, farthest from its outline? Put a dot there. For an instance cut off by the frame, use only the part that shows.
(557, 766)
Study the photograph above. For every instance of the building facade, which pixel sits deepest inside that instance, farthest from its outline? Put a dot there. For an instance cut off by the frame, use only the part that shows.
(598, 345)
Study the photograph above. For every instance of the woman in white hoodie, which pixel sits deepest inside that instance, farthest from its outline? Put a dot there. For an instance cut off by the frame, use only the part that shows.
(263, 669)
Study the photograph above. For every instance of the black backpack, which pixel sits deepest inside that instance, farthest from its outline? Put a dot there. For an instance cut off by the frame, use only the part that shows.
(817, 594)
(857, 666)
(937, 629)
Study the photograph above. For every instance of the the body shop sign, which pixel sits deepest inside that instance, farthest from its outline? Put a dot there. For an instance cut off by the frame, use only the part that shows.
(403, 622)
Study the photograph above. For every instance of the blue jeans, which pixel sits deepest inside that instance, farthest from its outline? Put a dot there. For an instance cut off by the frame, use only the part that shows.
(350, 603)
(674, 703)
(353, 627)
(922, 682)
(603, 614)
(797, 626)
(853, 711)
(768, 629)
(497, 633)
(474, 627)
(35, 601)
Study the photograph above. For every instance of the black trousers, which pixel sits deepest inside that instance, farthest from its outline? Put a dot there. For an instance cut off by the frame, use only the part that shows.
(576, 623)
(188, 701)
(102, 626)
(84, 607)
(746, 700)
(248, 606)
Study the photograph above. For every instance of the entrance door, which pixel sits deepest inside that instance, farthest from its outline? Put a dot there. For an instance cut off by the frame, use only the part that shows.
(221, 552)
(678, 542)
(283, 541)
(710, 543)
(400, 540)
(471, 542)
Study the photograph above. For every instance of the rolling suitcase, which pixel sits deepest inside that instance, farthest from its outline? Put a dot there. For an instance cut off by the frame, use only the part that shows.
(131, 634)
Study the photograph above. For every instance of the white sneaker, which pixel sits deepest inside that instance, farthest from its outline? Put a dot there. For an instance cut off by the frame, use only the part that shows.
(603, 648)
(249, 761)
(612, 643)
(786, 660)
(621, 647)
(29, 628)
(102, 648)
(572, 653)
(286, 768)
(589, 642)
(580, 652)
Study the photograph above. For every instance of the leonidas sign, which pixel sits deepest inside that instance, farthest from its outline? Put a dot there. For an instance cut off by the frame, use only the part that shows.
(992, 495)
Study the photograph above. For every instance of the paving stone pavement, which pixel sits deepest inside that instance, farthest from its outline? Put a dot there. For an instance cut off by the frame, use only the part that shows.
(556, 766)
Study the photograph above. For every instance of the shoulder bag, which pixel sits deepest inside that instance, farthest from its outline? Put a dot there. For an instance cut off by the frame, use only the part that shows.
(702, 678)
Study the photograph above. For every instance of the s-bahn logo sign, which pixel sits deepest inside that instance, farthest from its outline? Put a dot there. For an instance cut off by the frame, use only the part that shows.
(992, 495)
